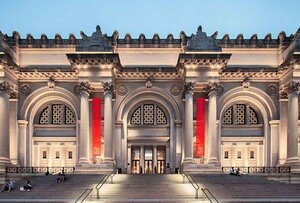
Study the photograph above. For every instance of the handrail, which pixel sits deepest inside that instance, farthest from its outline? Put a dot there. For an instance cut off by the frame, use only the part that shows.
(214, 198)
(85, 194)
(112, 175)
(192, 181)
(103, 181)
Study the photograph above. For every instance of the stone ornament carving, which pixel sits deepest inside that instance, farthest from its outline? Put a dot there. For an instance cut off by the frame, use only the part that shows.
(51, 83)
(148, 83)
(272, 90)
(122, 90)
(11, 90)
(108, 87)
(292, 87)
(202, 42)
(97, 42)
(246, 83)
(25, 89)
(213, 87)
(188, 87)
(84, 87)
(175, 90)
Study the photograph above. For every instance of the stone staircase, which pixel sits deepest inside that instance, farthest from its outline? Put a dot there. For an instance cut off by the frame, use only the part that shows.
(125, 188)
(147, 188)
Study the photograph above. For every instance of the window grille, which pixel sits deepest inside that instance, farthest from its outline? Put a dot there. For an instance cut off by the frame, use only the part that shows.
(148, 114)
(57, 114)
(240, 114)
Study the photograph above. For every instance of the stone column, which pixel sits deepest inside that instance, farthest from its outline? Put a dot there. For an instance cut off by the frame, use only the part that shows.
(188, 124)
(84, 137)
(274, 124)
(22, 142)
(292, 133)
(142, 159)
(13, 130)
(155, 159)
(108, 137)
(212, 124)
(129, 162)
(283, 127)
(4, 125)
(167, 158)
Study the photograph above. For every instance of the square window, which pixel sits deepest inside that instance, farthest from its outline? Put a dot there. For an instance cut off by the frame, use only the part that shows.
(251, 154)
(57, 154)
(70, 154)
(226, 155)
(239, 154)
(44, 154)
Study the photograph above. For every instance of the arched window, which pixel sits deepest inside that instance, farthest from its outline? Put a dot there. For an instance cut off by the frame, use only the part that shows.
(148, 114)
(57, 114)
(240, 114)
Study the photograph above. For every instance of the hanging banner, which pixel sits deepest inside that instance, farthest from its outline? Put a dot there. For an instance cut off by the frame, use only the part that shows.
(200, 128)
(96, 103)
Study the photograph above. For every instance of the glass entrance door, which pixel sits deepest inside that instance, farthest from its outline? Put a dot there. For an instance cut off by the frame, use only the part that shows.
(148, 166)
(135, 160)
(161, 166)
(148, 160)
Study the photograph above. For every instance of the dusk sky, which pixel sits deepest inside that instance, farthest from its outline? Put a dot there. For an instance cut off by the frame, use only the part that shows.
(149, 17)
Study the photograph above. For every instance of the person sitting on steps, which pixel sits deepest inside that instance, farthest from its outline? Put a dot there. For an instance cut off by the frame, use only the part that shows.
(9, 186)
(27, 185)
(61, 177)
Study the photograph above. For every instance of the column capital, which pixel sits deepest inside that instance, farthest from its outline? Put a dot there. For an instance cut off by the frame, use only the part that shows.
(212, 88)
(11, 90)
(188, 87)
(289, 88)
(108, 87)
(84, 87)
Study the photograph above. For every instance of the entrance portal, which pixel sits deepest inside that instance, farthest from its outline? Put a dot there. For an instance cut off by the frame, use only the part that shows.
(148, 159)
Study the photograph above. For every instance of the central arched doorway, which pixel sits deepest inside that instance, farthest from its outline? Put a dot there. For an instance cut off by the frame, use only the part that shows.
(148, 138)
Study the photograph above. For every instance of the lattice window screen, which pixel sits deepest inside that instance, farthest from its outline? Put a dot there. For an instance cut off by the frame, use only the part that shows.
(228, 118)
(148, 114)
(252, 117)
(136, 117)
(70, 118)
(160, 117)
(57, 111)
(44, 118)
(239, 114)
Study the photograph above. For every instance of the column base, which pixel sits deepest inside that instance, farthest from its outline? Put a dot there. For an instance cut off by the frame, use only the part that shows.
(108, 161)
(83, 161)
(292, 161)
(4, 162)
(213, 160)
(281, 162)
(188, 161)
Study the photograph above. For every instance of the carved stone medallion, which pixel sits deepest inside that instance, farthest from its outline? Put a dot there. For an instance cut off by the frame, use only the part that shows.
(175, 90)
(272, 90)
(122, 90)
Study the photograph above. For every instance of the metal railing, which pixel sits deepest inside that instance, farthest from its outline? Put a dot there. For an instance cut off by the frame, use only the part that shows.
(84, 195)
(192, 181)
(211, 197)
(258, 169)
(103, 181)
(15, 169)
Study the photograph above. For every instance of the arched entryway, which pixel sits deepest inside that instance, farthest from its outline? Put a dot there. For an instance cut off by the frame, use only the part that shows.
(244, 130)
(150, 136)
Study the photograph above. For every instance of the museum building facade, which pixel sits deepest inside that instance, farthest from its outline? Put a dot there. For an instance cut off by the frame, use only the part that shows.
(149, 105)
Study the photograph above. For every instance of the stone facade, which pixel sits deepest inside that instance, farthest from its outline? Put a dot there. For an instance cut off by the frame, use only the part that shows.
(148, 89)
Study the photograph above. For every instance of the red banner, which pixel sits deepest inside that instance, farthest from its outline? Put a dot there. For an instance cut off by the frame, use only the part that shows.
(200, 128)
(96, 126)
